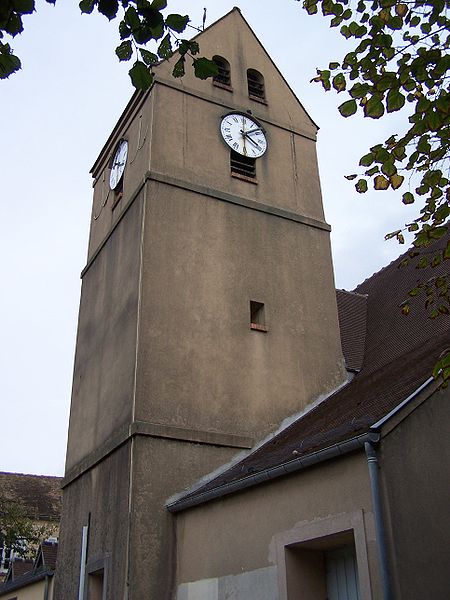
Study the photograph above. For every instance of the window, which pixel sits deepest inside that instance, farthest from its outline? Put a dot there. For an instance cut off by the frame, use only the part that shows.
(255, 82)
(322, 572)
(223, 78)
(325, 558)
(243, 167)
(95, 585)
(257, 316)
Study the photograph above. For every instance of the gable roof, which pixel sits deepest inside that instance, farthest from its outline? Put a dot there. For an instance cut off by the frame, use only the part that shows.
(399, 354)
(40, 495)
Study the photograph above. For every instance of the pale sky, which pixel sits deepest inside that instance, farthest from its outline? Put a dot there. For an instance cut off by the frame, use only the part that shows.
(56, 114)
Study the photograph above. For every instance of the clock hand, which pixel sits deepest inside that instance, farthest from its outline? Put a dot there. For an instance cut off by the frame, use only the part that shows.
(253, 130)
(252, 141)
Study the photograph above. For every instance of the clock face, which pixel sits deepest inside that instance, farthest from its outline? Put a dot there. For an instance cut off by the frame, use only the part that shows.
(118, 164)
(244, 135)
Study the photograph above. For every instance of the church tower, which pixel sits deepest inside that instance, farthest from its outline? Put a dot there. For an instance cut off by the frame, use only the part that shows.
(208, 309)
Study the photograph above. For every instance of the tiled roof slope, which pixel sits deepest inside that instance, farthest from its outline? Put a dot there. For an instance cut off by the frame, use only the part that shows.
(389, 333)
(19, 567)
(49, 554)
(40, 495)
(352, 314)
(400, 352)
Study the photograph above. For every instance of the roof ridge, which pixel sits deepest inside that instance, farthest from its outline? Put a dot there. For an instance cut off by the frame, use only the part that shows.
(352, 293)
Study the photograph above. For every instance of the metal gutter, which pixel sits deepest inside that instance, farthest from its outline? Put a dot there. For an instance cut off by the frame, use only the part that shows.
(376, 426)
(291, 466)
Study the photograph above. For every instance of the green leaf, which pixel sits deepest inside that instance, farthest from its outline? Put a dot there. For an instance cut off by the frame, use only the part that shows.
(124, 30)
(437, 232)
(24, 7)
(165, 48)
(158, 5)
(108, 8)
(380, 182)
(333, 65)
(388, 168)
(132, 19)
(148, 57)
(339, 83)
(399, 152)
(359, 90)
(446, 253)
(350, 177)
(177, 22)
(204, 68)
(372, 171)
(408, 198)
(361, 186)
(140, 75)
(178, 69)
(395, 100)
(125, 50)
(9, 63)
(348, 108)
(374, 108)
(367, 159)
(87, 6)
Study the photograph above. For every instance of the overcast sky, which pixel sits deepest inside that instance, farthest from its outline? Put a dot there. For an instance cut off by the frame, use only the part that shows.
(56, 113)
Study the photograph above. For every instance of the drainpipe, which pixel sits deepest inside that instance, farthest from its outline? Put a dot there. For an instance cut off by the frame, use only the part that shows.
(372, 461)
(46, 588)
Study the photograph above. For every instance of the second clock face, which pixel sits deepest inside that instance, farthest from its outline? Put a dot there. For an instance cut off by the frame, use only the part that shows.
(118, 164)
(244, 135)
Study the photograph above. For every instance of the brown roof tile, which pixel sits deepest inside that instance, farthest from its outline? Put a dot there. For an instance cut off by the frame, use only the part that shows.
(40, 495)
(352, 314)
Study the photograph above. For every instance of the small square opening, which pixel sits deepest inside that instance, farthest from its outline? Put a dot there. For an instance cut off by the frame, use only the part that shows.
(257, 316)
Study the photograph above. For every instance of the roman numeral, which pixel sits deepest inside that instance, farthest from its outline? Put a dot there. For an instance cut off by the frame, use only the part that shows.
(235, 145)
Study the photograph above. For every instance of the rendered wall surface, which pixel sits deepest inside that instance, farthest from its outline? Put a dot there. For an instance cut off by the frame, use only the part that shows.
(239, 534)
(200, 366)
(103, 380)
(100, 498)
(161, 467)
(415, 466)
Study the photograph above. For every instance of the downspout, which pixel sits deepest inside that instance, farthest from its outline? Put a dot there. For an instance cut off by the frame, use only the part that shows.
(380, 531)
(46, 588)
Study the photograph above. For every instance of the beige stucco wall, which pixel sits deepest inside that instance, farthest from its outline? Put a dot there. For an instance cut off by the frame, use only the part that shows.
(32, 591)
(100, 498)
(415, 467)
(244, 532)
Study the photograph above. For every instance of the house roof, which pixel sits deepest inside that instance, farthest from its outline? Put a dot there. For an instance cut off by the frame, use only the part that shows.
(396, 355)
(40, 495)
(46, 557)
(23, 572)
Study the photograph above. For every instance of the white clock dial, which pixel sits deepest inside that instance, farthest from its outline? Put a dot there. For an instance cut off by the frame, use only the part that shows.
(118, 164)
(244, 135)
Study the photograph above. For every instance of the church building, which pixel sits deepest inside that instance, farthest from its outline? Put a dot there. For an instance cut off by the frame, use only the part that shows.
(239, 429)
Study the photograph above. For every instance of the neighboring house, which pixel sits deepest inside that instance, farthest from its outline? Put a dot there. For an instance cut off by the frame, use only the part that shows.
(32, 580)
(208, 316)
(39, 497)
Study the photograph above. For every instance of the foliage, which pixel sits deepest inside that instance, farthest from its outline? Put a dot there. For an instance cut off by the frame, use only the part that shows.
(17, 531)
(399, 61)
(141, 22)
